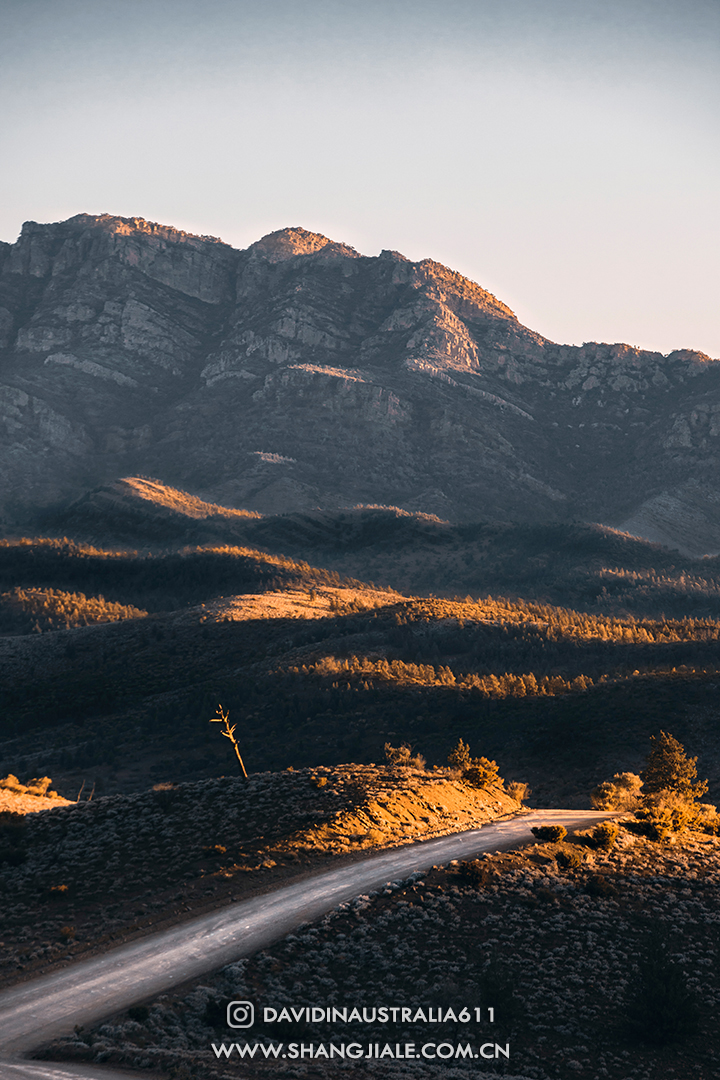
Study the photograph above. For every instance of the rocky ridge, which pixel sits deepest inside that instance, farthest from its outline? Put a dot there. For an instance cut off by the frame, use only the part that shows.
(298, 373)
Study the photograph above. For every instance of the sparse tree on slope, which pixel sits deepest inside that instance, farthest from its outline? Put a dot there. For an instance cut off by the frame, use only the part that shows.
(668, 768)
(459, 756)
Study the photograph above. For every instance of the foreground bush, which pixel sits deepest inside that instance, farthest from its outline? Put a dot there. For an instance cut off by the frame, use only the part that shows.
(666, 813)
(620, 793)
(570, 859)
(481, 773)
(549, 833)
(478, 772)
(518, 790)
(604, 835)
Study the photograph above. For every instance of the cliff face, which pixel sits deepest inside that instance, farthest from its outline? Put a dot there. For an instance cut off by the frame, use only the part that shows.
(299, 373)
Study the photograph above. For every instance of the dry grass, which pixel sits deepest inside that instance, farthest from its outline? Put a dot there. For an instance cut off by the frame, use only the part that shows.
(181, 502)
(321, 603)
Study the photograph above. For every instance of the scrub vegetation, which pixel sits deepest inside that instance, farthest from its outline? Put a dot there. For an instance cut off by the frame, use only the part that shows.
(316, 669)
(597, 961)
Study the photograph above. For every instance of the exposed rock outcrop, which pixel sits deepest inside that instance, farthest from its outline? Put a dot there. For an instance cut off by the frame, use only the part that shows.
(300, 373)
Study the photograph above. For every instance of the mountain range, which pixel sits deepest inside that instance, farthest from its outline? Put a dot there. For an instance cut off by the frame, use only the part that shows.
(298, 374)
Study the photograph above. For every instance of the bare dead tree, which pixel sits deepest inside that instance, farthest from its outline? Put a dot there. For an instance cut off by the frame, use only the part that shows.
(229, 732)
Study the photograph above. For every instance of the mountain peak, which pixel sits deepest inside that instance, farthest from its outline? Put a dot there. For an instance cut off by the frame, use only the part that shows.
(120, 226)
(287, 243)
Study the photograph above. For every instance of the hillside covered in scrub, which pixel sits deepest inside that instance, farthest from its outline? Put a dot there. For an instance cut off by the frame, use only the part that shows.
(596, 959)
(83, 875)
(115, 658)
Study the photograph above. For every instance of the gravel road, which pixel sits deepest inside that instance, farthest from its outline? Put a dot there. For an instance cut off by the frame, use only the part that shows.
(35, 1012)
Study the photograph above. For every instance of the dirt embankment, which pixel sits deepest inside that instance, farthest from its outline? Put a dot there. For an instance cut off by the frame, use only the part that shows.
(84, 876)
(420, 805)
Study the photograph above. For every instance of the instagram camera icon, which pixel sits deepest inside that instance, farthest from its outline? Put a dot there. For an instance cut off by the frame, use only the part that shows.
(240, 1014)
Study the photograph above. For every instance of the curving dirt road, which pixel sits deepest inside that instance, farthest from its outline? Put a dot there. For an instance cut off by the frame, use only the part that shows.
(35, 1012)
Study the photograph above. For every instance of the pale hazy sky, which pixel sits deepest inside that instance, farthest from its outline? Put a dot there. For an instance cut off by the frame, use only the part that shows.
(562, 153)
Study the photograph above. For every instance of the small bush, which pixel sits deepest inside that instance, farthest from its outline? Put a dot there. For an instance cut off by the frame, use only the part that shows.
(707, 819)
(549, 833)
(403, 755)
(459, 756)
(569, 859)
(481, 772)
(666, 813)
(11, 783)
(605, 835)
(473, 873)
(518, 790)
(620, 793)
(139, 1013)
(38, 786)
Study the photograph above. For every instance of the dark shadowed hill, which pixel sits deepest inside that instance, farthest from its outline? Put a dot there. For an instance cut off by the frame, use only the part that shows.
(586, 566)
(299, 374)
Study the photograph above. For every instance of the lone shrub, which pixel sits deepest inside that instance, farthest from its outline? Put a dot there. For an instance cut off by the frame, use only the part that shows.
(478, 772)
(605, 835)
(570, 859)
(481, 773)
(403, 755)
(620, 793)
(473, 873)
(459, 756)
(549, 833)
(518, 790)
